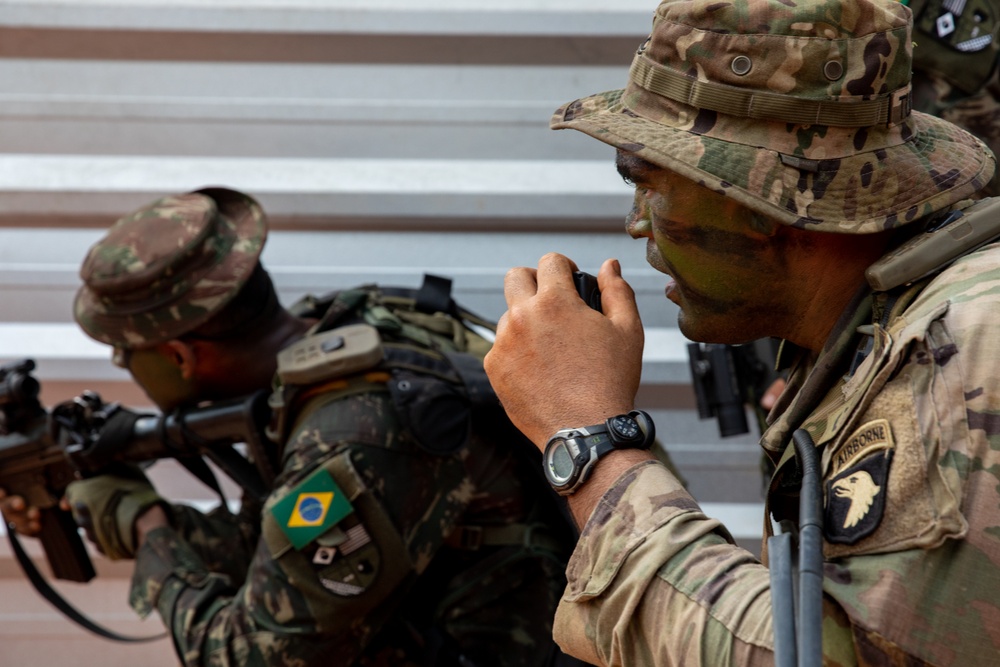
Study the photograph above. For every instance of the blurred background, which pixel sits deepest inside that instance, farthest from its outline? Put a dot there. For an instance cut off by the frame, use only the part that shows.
(384, 138)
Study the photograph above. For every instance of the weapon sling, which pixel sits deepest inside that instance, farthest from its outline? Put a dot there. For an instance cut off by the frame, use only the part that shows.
(57, 600)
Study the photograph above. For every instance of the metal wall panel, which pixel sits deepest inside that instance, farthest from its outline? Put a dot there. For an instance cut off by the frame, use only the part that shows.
(384, 138)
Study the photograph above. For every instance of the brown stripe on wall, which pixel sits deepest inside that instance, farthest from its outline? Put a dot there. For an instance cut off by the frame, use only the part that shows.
(59, 43)
(613, 225)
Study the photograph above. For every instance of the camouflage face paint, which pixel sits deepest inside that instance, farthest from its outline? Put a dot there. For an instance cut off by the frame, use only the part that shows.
(160, 379)
(725, 266)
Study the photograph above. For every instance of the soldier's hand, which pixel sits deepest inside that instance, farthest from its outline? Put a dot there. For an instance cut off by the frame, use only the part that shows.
(556, 362)
(107, 507)
(26, 519)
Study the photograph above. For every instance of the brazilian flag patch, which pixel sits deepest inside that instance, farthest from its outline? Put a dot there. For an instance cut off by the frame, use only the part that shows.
(311, 508)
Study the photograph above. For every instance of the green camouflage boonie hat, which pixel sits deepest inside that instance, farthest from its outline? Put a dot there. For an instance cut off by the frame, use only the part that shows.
(166, 268)
(797, 109)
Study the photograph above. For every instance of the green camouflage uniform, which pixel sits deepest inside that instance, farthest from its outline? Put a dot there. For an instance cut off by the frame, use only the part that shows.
(909, 440)
(372, 548)
(387, 583)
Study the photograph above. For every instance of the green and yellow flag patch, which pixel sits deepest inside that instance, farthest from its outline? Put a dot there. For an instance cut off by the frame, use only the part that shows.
(311, 508)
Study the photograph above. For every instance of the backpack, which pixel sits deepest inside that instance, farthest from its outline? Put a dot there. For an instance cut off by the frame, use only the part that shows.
(423, 346)
(428, 351)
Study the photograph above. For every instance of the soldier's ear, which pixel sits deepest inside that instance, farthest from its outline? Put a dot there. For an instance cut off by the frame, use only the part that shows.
(182, 355)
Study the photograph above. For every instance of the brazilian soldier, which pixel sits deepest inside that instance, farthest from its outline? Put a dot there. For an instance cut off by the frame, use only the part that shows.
(787, 187)
(387, 538)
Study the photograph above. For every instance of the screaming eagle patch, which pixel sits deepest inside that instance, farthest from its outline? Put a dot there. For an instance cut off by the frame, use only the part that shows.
(857, 482)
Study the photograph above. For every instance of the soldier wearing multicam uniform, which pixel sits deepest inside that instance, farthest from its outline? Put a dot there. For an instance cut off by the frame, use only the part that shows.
(366, 551)
(775, 158)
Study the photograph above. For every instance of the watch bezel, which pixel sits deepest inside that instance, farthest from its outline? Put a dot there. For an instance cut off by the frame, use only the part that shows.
(584, 445)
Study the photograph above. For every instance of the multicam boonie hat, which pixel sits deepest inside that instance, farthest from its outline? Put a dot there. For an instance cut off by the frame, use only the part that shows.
(166, 268)
(798, 109)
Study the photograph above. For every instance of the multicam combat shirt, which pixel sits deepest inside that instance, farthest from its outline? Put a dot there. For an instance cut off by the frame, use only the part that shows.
(910, 447)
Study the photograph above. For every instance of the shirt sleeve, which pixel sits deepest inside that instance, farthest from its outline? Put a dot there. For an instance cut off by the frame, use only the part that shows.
(653, 581)
(325, 599)
(653, 576)
(225, 542)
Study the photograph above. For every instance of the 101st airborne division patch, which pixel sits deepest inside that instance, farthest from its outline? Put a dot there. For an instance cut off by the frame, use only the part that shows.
(856, 484)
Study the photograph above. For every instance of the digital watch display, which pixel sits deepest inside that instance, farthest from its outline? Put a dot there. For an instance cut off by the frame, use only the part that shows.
(570, 454)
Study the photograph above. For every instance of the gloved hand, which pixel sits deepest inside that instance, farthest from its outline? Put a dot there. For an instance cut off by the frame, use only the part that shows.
(107, 506)
(107, 431)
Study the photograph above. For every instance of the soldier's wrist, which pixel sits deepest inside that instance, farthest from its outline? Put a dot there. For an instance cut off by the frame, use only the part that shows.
(151, 519)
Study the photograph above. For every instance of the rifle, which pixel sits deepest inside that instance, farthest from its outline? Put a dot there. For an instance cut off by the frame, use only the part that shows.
(41, 452)
(33, 464)
(726, 378)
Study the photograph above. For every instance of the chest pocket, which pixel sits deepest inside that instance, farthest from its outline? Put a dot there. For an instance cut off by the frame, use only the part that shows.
(888, 484)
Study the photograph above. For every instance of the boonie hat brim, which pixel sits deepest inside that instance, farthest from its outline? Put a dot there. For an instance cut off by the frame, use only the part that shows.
(800, 111)
(139, 291)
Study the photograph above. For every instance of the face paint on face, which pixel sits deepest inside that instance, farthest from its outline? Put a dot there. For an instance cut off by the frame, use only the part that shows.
(161, 379)
(725, 270)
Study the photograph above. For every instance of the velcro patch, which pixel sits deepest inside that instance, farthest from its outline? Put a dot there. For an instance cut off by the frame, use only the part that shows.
(311, 508)
(856, 485)
(354, 570)
(963, 25)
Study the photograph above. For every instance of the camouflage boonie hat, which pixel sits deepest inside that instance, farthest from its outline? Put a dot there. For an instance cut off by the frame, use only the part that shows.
(166, 268)
(797, 109)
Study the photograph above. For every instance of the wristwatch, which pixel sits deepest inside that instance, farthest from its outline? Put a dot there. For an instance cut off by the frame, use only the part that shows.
(571, 453)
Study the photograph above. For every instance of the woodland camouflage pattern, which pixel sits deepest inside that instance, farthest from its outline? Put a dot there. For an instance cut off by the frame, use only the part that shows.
(836, 179)
(243, 595)
(922, 589)
(147, 283)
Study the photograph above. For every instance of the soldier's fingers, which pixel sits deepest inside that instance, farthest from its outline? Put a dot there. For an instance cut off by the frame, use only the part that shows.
(15, 504)
(555, 273)
(519, 284)
(617, 297)
(84, 519)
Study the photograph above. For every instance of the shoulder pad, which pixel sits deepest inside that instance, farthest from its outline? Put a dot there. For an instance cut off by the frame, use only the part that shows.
(330, 354)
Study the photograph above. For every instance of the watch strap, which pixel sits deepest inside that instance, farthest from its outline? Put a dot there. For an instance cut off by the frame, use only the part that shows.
(584, 447)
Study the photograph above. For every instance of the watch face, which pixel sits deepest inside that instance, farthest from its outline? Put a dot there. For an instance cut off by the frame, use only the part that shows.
(559, 462)
(625, 427)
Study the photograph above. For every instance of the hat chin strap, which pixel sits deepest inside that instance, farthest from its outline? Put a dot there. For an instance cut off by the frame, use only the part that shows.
(660, 80)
